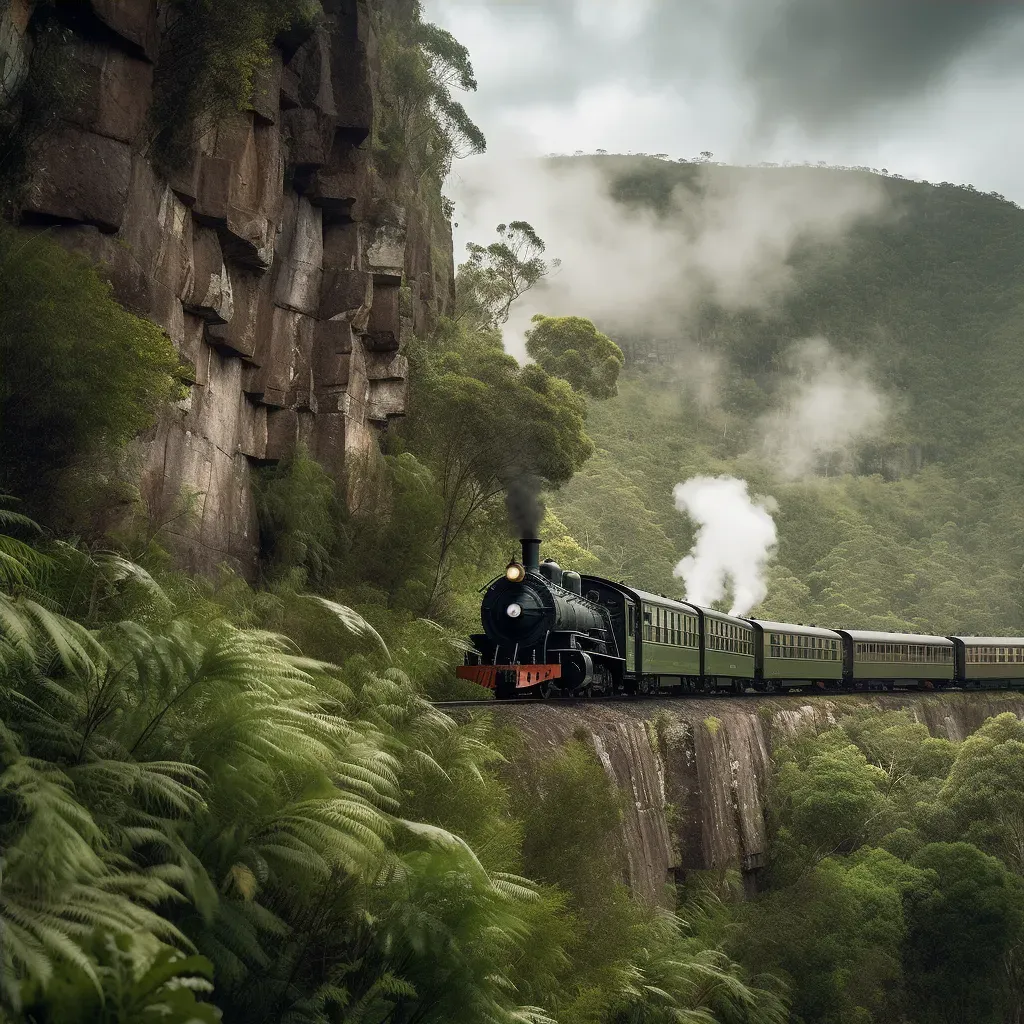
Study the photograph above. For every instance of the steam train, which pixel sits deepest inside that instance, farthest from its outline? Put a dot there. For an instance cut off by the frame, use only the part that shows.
(549, 632)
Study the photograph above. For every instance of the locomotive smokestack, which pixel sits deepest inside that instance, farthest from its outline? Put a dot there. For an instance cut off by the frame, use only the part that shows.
(531, 555)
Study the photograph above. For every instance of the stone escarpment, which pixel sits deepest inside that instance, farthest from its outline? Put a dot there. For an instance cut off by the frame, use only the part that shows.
(694, 773)
(286, 270)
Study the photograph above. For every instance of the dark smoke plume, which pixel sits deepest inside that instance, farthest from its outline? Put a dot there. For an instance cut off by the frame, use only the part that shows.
(525, 508)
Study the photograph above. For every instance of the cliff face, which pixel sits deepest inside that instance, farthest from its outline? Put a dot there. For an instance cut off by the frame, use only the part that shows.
(276, 258)
(694, 773)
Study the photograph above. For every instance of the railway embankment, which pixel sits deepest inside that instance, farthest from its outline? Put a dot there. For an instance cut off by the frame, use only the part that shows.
(695, 773)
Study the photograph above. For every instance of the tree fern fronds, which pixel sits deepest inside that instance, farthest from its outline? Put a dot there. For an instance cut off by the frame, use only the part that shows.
(350, 619)
(513, 887)
(448, 840)
(33, 946)
(116, 568)
(16, 630)
(171, 788)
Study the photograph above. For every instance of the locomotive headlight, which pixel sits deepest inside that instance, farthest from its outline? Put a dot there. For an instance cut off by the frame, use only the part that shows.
(514, 572)
(513, 611)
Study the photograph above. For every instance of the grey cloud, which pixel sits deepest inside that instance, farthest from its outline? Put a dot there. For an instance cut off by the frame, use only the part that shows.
(820, 63)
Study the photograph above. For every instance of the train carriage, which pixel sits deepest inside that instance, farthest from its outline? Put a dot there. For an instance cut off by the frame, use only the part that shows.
(989, 660)
(728, 647)
(669, 639)
(889, 658)
(787, 655)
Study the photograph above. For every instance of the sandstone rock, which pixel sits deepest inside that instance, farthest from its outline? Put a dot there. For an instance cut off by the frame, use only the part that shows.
(114, 91)
(282, 433)
(252, 439)
(339, 186)
(213, 190)
(194, 350)
(344, 445)
(312, 66)
(134, 21)
(334, 344)
(247, 234)
(211, 296)
(309, 137)
(266, 92)
(351, 71)
(385, 329)
(192, 253)
(343, 246)
(388, 375)
(289, 89)
(301, 392)
(80, 176)
(252, 313)
(347, 293)
(270, 378)
(299, 258)
(115, 263)
(247, 237)
(157, 230)
(385, 255)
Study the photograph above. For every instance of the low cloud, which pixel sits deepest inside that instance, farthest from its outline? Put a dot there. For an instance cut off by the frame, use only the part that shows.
(728, 240)
(831, 407)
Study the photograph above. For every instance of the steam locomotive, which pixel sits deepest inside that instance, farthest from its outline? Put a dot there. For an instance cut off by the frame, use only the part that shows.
(549, 632)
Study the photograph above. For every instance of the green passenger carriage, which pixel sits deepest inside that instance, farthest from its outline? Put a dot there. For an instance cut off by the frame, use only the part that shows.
(989, 660)
(888, 658)
(788, 655)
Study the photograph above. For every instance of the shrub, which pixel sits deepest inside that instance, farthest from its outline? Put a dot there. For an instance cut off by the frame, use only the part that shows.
(79, 375)
(210, 55)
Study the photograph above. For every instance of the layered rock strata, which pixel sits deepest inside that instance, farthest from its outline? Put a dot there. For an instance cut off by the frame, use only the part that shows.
(694, 773)
(280, 263)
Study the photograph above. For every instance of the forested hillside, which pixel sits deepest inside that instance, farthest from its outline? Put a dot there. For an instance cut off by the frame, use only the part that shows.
(913, 524)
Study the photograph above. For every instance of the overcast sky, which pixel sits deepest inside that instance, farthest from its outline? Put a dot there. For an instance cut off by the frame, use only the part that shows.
(929, 89)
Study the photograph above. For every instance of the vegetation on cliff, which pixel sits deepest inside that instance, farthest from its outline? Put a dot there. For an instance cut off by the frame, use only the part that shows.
(894, 890)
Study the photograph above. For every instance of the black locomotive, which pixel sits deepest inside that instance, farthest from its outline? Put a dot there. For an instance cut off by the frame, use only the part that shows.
(541, 633)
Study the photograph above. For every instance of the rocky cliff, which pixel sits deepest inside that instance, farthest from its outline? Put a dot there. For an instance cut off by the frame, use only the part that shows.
(284, 267)
(694, 773)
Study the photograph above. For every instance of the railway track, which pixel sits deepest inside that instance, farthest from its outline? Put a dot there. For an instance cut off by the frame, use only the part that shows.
(662, 697)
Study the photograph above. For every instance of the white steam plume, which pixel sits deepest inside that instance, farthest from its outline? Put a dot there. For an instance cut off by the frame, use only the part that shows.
(832, 406)
(736, 539)
(632, 269)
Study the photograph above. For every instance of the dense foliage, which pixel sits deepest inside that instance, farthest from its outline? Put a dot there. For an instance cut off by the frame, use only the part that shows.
(420, 127)
(573, 348)
(494, 276)
(894, 891)
(185, 797)
(915, 528)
